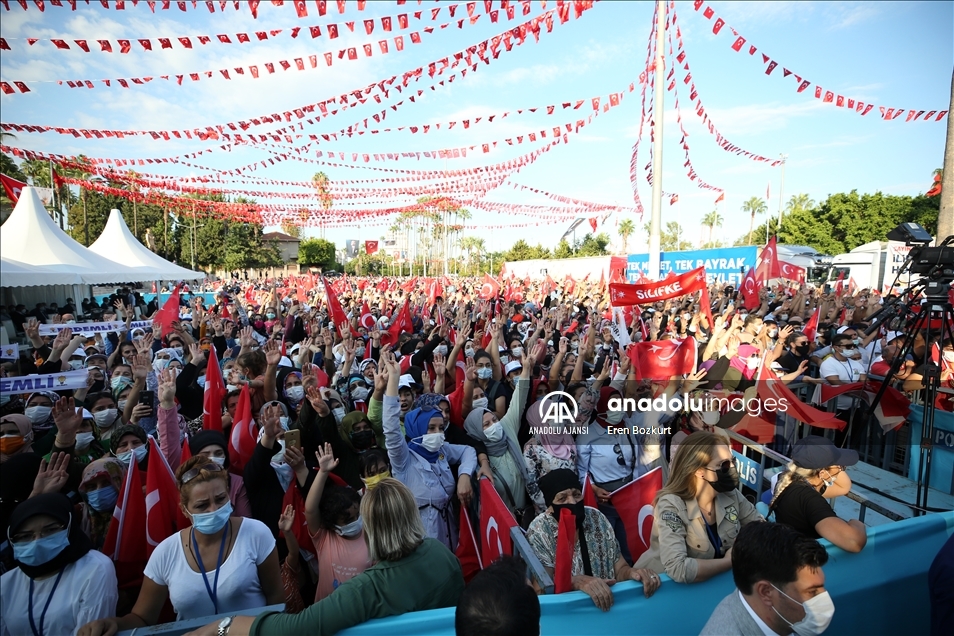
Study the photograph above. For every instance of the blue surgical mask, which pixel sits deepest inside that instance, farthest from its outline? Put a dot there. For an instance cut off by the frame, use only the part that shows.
(352, 529)
(43, 550)
(212, 522)
(102, 499)
(200, 381)
(139, 451)
(485, 373)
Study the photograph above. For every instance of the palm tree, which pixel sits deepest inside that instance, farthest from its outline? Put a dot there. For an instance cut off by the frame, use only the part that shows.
(712, 220)
(754, 206)
(799, 202)
(626, 229)
(320, 181)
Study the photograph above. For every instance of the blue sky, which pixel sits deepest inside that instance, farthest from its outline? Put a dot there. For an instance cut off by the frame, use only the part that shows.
(892, 54)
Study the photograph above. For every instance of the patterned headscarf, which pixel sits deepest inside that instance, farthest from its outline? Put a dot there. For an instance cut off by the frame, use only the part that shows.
(95, 523)
(43, 427)
(430, 401)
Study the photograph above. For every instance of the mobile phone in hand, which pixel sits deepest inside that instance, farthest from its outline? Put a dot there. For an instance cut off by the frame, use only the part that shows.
(147, 398)
(293, 438)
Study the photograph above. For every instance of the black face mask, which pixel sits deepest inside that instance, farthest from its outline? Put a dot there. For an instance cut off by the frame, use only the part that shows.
(801, 349)
(97, 386)
(362, 440)
(728, 480)
(578, 510)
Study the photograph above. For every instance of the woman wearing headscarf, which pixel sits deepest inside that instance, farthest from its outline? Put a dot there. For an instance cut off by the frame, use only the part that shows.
(736, 370)
(596, 555)
(16, 436)
(500, 437)
(61, 583)
(100, 485)
(39, 410)
(422, 461)
(547, 450)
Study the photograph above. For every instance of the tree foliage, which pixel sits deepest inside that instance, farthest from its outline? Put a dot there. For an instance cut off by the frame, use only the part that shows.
(317, 252)
(245, 248)
(846, 220)
(522, 251)
(670, 237)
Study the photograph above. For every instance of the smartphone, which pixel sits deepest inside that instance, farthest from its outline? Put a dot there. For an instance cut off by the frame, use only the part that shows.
(293, 438)
(147, 398)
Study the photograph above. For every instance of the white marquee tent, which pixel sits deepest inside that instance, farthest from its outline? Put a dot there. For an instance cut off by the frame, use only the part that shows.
(31, 238)
(118, 244)
(17, 274)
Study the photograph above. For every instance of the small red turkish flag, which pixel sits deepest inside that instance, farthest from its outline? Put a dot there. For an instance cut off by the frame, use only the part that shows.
(593, 222)
(750, 291)
(663, 359)
(634, 502)
(490, 288)
(563, 558)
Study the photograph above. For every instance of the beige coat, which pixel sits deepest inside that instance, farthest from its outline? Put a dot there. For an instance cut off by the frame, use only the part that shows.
(679, 534)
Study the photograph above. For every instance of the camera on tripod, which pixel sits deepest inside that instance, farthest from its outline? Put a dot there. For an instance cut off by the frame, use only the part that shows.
(936, 263)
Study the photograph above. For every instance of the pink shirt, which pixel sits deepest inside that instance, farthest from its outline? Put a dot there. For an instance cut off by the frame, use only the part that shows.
(339, 560)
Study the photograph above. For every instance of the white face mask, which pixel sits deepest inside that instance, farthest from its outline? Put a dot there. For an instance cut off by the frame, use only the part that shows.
(773, 333)
(38, 414)
(758, 330)
(295, 393)
(484, 373)
(76, 365)
(480, 403)
(469, 353)
(284, 421)
(359, 393)
(494, 432)
(614, 417)
(359, 352)
(279, 457)
(105, 419)
(121, 405)
(819, 611)
(516, 352)
(441, 350)
(752, 363)
(159, 364)
(432, 441)
(83, 440)
(218, 460)
(949, 356)
(339, 414)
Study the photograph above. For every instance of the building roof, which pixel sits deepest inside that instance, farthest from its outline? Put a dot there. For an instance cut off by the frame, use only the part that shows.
(280, 236)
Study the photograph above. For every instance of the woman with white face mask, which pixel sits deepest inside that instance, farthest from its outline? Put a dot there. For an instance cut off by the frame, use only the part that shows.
(219, 564)
(39, 410)
(423, 464)
(500, 437)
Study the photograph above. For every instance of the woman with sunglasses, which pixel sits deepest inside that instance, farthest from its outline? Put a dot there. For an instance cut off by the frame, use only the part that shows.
(698, 513)
(817, 473)
(220, 564)
(61, 582)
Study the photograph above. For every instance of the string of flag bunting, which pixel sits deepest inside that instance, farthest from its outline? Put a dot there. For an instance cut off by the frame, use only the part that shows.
(827, 96)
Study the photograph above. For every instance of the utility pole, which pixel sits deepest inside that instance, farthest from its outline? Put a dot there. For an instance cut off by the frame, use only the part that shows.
(945, 218)
(655, 222)
(780, 188)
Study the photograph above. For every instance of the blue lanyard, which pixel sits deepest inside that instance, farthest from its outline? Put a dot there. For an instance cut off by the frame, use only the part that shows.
(45, 607)
(714, 539)
(213, 590)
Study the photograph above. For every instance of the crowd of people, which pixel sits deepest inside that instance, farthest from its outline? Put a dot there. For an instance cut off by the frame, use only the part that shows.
(372, 432)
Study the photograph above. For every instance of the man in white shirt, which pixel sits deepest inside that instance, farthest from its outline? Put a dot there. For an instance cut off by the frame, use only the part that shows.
(843, 366)
(781, 585)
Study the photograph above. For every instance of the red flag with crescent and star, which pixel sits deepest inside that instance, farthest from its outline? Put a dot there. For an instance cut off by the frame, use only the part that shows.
(623, 294)
(490, 288)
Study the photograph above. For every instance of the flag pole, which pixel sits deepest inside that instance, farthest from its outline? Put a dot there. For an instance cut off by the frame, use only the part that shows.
(658, 113)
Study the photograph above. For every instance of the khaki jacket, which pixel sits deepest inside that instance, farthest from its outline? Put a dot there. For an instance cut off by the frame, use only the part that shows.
(679, 534)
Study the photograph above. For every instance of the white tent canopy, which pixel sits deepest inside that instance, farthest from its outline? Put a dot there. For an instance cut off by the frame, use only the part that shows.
(118, 244)
(17, 274)
(30, 237)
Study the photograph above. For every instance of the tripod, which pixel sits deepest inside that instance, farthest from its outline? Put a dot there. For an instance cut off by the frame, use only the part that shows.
(914, 316)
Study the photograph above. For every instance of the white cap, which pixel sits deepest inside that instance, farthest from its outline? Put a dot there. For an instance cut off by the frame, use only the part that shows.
(843, 329)
(295, 347)
(892, 335)
(79, 353)
(406, 381)
(511, 366)
(285, 362)
(87, 415)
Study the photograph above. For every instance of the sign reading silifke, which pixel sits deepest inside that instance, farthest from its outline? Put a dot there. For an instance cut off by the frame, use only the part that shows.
(624, 295)
(65, 381)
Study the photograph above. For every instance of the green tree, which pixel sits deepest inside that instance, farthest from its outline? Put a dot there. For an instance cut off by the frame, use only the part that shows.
(626, 229)
(522, 251)
(754, 206)
(799, 202)
(712, 220)
(670, 237)
(245, 248)
(593, 245)
(563, 250)
(8, 167)
(317, 252)
(290, 228)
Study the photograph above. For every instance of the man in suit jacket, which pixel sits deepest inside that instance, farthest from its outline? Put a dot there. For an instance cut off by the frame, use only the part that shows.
(781, 586)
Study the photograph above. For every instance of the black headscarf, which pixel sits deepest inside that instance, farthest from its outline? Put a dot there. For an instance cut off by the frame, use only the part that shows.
(60, 508)
(555, 482)
(208, 437)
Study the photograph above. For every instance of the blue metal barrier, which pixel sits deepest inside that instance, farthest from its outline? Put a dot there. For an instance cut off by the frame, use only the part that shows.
(182, 627)
(881, 590)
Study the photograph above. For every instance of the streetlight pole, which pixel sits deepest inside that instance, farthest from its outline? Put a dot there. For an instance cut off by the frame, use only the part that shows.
(780, 188)
(655, 222)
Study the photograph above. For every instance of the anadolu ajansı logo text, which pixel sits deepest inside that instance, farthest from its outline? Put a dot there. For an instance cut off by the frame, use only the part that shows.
(558, 408)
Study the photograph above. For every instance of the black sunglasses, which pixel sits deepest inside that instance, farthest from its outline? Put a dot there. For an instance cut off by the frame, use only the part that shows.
(724, 467)
(619, 451)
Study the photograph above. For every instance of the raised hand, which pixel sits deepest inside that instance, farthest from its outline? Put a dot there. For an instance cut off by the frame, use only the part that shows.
(67, 417)
(693, 380)
(316, 399)
(52, 475)
(196, 354)
(326, 459)
(32, 328)
(246, 339)
(380, 379)
(145, 345)
(470, 370)
(286, 522)
(63, 338)
(167, 389)
(273, 353)
(272, 426)
(440, 365)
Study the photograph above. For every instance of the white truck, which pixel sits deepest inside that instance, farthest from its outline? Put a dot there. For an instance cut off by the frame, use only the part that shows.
(872, 266)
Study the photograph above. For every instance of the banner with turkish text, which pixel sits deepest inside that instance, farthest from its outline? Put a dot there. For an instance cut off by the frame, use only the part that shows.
(623, 294)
